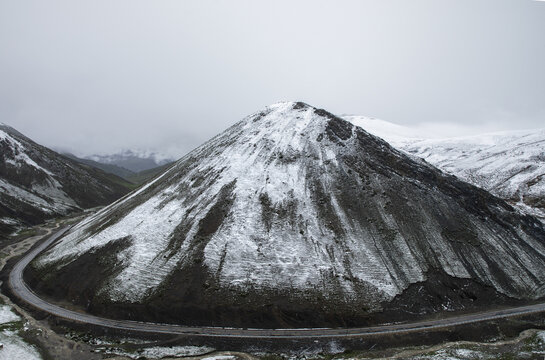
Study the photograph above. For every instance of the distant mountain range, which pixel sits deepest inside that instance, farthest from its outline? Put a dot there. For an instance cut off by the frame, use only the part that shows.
(135, 177)
(509, 164)
(133, 160)
(37, 183)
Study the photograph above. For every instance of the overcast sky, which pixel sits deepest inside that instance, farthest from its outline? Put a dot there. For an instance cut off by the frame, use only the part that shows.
(99, 76)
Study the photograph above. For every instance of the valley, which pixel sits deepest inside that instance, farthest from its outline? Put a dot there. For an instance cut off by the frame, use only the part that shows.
(213, 180)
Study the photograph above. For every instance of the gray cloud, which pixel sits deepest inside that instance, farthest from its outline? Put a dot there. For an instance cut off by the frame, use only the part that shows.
(98, 76)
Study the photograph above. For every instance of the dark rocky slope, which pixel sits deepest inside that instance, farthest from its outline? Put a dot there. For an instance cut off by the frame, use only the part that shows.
(295, 217)
(37, 183)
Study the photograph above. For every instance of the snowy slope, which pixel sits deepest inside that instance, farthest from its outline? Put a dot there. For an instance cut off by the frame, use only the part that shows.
(300, 207)
(16, 158)
(37, 183)
(509, 164)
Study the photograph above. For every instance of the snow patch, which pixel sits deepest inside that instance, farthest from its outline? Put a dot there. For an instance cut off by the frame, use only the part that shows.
(20, 156)
(35, 199)
(15, 348)
(9, 221)
(7, 315)
(159, 352)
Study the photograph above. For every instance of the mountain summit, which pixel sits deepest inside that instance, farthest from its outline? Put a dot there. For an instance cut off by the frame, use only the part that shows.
(295, 217)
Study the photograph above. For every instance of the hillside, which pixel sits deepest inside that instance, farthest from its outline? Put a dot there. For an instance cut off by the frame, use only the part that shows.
(37, 183)
(108, 168)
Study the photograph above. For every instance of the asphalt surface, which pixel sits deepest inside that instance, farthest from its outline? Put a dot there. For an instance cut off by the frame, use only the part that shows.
(23, 291)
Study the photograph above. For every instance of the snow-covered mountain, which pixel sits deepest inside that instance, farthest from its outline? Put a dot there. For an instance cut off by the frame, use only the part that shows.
(509, 164)
(294, 216)
(36, 183)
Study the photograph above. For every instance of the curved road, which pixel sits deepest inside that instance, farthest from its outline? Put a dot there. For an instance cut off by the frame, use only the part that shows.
(21, 289)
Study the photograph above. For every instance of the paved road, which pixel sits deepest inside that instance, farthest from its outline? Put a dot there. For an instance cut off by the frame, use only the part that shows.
(21, 289)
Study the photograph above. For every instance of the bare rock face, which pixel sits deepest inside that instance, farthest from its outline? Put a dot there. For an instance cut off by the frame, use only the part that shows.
(36, 183)
(295, 217)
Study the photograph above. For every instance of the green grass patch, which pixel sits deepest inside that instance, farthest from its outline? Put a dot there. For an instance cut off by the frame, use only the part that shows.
(13, 326)
(28, 232)
(508, 356)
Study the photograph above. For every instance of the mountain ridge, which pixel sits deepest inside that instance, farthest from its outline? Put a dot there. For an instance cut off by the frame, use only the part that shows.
(136, 161)
(37, 183)
(510, 164)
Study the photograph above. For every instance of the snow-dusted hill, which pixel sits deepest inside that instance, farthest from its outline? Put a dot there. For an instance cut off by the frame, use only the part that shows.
(295, 216)
(509, 164)
(36, 183)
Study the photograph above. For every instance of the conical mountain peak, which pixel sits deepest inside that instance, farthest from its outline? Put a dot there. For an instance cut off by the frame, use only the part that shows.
(294, 128)
(294, 205)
